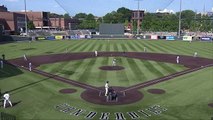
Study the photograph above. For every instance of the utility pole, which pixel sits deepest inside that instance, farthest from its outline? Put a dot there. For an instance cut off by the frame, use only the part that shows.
(138, 22)
(179, 28)
(25, 6)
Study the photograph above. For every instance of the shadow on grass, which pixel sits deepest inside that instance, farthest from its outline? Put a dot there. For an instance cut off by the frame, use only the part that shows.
(18, 89)
(66, 72)
(9, 71)
(49, 52)
(8, 105)
(28, 49)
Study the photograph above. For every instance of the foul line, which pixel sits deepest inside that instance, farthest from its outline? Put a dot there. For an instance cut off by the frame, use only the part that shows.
(152, 82)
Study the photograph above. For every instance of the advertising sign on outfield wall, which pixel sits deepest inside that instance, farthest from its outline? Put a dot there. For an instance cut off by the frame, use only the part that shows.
(206, 39)
(187, 38)
(41, 38)
(74, 37)
(58, 37)
(170, 37)
(82, 36)
(162, 37)
(50, 38)
(154, 37)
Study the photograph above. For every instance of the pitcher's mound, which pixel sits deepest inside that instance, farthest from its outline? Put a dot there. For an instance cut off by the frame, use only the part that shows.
(111, 68)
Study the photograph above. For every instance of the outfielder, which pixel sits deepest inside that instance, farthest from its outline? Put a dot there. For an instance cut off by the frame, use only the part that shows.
(7, 99)
(2, 64)
(30, 66)
(96, 53)
(195, 54)
(177, 59)
(106, 88)
(144, 49)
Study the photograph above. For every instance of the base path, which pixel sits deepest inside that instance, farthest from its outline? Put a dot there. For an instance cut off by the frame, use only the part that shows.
(92, 93)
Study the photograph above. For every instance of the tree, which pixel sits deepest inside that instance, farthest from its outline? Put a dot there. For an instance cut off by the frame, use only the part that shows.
(80, 16)
(87, 21)
(66, 16)
(54, 15)
(30, 25)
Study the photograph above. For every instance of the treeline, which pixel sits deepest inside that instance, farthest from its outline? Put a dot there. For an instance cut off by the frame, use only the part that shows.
(190, 20)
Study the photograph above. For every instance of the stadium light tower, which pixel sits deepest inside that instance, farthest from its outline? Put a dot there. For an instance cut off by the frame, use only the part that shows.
(138, 22)
(25, 9)
(179, 28)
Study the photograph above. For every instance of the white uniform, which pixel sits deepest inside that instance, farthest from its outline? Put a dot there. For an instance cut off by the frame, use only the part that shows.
(2, 64)
(195, 54)
(106, 88)
(177, 59)
(7, 99)
(144, 49)
(114, 62)
(96, 53)
(30, 66)
(25, 58)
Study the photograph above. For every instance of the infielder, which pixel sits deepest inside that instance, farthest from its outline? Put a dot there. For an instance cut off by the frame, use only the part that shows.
(177, 59)
(7, 99)
(25, 58)
(106, 88)
(114, 62)
(96, 53)
(30, 66)
(195, 54)
(2, 64)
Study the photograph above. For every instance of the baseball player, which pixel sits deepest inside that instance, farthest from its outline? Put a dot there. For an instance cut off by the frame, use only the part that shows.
(114, 62)
(106, 88)
(195, 54)
(25, 58)
(3, 56)
(2, 64)
(177, 59)
(96, 53)
(144, 49)
(7, 99)
(30, 66)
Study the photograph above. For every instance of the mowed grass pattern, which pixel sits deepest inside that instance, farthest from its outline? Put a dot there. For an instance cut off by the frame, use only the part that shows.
(136, 71)
(186, 97)
(14, 50)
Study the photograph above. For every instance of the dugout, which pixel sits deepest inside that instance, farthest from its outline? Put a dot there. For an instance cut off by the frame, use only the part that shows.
(111, 29)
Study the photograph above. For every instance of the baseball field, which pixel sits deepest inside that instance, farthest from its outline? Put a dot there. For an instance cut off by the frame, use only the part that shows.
(67, 80)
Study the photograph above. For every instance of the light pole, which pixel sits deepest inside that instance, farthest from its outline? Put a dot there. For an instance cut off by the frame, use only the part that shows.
(25, 6)
(138, 22)
(179, 28)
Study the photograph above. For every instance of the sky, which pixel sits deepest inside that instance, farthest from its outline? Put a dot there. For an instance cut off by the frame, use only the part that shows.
(102, 7)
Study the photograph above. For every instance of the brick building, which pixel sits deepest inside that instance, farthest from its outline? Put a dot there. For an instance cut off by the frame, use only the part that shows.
(3, 8)
(40, 19)
(137, 15)
(12, 21)
(64, 23)
(15, 21)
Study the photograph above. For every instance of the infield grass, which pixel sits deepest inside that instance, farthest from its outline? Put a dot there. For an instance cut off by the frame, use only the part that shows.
(136, 71)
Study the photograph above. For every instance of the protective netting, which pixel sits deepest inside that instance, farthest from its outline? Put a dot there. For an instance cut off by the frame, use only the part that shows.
(97, 7)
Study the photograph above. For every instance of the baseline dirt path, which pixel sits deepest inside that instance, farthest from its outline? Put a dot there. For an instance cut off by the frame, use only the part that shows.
(192, 63)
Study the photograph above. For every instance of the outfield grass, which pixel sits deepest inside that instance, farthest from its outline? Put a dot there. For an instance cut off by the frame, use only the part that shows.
(14, 50)
(186, 96)
(136, 71)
